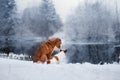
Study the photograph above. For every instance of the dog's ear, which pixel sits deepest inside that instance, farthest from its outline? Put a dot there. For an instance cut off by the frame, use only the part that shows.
(65, 51)
(58, 39)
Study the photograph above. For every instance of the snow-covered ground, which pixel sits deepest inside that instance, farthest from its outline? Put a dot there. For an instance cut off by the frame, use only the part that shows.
(27, 70)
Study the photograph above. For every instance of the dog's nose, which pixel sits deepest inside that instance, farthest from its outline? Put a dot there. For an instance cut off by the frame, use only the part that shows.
(65, 51)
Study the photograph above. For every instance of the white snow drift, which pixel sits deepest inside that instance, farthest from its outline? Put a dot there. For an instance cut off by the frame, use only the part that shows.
(27, 70)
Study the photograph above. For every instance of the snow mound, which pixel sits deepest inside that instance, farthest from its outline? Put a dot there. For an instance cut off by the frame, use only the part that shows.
(27, 70)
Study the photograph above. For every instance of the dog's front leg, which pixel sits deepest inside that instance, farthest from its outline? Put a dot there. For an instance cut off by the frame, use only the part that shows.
(49, 57)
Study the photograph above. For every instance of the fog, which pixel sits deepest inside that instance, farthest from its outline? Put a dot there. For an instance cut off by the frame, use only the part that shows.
(89, 29)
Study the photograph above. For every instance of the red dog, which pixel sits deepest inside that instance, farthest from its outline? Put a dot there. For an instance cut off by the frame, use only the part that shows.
(45, 50)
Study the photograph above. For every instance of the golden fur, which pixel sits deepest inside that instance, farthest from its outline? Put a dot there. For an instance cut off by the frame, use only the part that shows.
(45, 50)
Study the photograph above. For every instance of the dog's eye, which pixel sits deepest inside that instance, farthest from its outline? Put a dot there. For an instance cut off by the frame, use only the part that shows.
(60, 50)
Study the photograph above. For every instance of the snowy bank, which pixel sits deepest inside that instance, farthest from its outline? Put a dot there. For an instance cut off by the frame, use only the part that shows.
(27, 70)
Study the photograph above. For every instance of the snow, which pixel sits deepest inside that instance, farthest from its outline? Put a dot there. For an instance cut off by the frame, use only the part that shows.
(27, 70)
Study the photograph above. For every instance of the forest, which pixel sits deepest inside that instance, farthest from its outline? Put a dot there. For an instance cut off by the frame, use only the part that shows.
(91, 33)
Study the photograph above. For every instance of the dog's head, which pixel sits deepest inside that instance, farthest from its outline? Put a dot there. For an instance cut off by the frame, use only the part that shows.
(56, 41)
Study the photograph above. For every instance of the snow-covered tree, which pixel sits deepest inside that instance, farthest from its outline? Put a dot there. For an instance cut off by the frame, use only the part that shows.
(6, 23)
(116, 24)
(43, 21)
(6, 20)
(92, 23)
